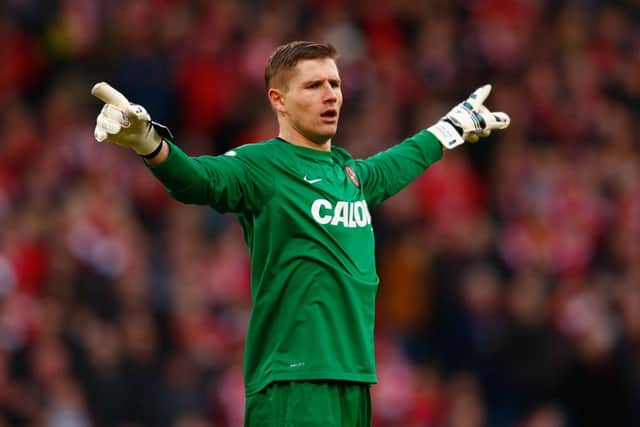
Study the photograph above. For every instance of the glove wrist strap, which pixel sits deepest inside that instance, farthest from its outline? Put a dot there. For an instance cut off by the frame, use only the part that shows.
(156, 134)
(448, 134)
(155, 152)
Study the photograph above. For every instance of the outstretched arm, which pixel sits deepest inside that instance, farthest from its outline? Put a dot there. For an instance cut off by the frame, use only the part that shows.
(236, 184)
(388, 172)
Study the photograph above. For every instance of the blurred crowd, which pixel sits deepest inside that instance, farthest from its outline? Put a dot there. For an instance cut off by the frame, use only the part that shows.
(510, 271)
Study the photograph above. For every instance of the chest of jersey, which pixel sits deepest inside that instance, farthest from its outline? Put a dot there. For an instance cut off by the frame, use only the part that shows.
(320, 207)
(328, 194)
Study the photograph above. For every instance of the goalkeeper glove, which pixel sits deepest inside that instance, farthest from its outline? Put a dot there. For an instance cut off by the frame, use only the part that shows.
(469, 120)
(126, 124)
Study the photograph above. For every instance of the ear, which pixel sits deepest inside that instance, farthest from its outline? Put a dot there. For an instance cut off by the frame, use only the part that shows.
(276, 98)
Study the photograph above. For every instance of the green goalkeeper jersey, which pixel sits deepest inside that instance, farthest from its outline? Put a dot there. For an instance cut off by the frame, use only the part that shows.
(306, 220)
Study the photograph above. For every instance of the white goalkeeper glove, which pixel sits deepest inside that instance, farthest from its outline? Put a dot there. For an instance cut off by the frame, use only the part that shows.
(469, 121)
(124, 123)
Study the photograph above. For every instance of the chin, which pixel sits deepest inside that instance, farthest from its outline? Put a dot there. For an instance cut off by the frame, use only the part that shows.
(324, 138)
(321, 134)
(329, 131)
(321, 141)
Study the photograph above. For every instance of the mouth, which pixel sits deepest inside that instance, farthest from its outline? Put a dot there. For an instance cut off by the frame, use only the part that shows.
(329, 116)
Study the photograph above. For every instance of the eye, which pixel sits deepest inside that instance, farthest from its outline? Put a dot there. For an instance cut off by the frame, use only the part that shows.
(335, 83)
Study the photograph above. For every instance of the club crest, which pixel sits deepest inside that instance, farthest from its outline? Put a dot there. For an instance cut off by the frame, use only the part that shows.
(352, 175)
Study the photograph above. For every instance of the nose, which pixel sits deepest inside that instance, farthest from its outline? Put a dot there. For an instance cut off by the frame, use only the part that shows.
(330, 93)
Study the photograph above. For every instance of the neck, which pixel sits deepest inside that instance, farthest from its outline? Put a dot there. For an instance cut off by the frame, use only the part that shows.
(296, 138)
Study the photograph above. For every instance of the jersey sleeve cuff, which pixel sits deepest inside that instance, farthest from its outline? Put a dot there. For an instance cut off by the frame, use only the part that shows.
(430, 144)
(172, 169)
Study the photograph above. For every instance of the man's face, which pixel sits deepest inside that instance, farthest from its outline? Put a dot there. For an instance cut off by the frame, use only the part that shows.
(312, 99)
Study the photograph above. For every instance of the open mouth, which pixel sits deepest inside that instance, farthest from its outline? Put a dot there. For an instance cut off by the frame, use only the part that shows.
(329, 114)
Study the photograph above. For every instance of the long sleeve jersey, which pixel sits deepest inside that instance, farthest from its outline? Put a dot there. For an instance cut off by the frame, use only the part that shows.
(306, 220)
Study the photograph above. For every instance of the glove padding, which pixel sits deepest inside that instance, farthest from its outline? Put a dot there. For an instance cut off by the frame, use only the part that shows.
(124, 123)
(469, 121)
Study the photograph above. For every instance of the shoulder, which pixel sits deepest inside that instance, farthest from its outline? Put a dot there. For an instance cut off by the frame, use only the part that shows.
(254, 149)
(255, 158)
(256, 152)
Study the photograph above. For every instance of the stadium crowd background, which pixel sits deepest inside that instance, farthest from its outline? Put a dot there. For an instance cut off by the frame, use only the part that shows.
(510, 273)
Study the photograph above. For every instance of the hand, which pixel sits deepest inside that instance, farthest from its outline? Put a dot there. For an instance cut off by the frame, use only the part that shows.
(469, 121)
(124, 123)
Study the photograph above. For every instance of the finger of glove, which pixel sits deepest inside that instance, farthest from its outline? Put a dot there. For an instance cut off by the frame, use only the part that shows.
(111, 127)
(107, 94)
(501, 120)
(115, 114)
(99, 134)
(476, 136)
(494, 119)
(477, 98)
(472, 138)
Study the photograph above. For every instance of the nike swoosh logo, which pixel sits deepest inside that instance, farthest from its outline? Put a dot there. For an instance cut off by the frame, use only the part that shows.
(312, 181)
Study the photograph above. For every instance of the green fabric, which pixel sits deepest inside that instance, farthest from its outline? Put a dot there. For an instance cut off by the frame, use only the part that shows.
(306, 221)
(310, 404)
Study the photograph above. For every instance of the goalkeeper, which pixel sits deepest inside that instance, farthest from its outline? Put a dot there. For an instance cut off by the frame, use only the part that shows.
(304, 206)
